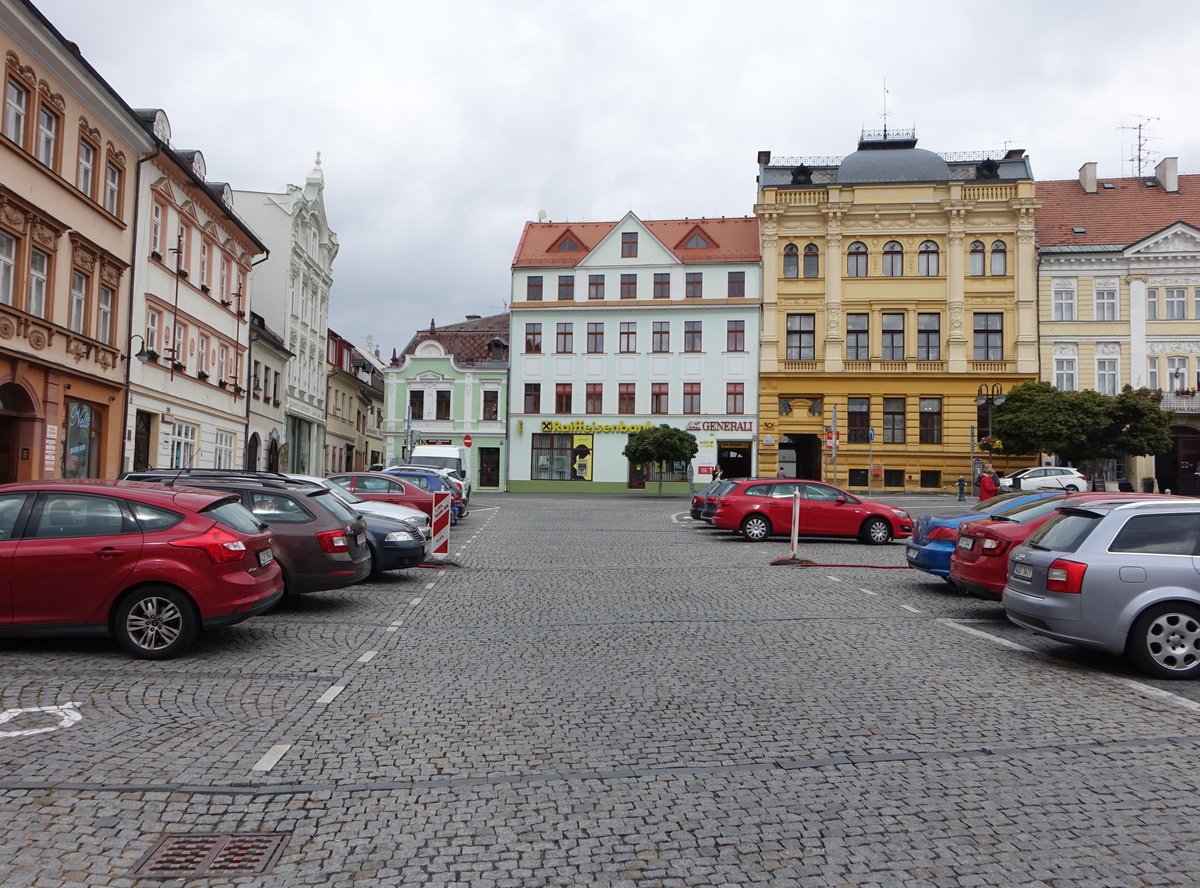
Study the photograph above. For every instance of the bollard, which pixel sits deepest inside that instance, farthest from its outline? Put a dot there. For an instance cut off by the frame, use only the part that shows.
(962, 488)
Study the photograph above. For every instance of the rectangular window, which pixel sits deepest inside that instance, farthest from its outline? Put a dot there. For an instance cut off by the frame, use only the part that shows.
(735, 398)
(533, 288)
(857, 337)
(1063, 300)
(1152, 304)
(1106, 376)
(858, 420)
(801, 337)
(693, 285)
(533, 339)
(181, 438)
(693, 336)
(595, 286)
(691, 397)
(628, 343)
(929, 337)
(894, 420)
(566, 288)
(223, 450)
(1064, 374)
(416, 404)
(595, 338)
(660, 340)
(735, 336)
(629, 244)
(626, 398)
(441, 404)
(659, 394)
(85, 169)
(737, 285)
(224, 284)
(629, 286)
(16, 103)
(153, 325)
(931, 421)
(77, 315)
(662, 285)
(223, 361)
(202, 355)
(203, 262)
(491, 405)
(989, 336)
(39, 283)
(1175, 301)
(564, 338)
(1106, 302)
(47, 136)
(594, 397)
(552, 457)
(156, 227)
(178, 344)
(112, 189)
(1177, 373)
(104, 315)
(8, 267)
(893, 337)
(562, 398)
(1152, 373)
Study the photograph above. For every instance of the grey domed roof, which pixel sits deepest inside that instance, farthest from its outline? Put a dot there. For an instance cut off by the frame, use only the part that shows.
(892, 165)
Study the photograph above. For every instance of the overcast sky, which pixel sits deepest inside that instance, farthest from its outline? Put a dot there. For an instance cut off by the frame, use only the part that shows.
(444, 126)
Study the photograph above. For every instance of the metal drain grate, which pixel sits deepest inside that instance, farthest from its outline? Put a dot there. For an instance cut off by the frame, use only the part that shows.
(193, 856)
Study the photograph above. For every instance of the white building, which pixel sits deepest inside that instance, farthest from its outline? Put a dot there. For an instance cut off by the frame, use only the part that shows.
(187, 391)
(268, 422)
(620, 326)
(292, 295)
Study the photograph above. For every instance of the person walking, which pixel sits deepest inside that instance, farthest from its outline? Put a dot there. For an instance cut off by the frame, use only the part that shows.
(988, 485)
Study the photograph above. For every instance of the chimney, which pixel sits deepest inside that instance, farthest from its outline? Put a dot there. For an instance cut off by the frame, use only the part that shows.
(473, 317)
(1087, 177)
(1167, 174)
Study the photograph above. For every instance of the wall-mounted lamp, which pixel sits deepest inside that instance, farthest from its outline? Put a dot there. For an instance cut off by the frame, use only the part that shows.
(257, 388)
(141, 352)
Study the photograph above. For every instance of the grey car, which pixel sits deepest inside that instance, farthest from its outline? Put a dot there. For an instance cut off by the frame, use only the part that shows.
(1122, 578)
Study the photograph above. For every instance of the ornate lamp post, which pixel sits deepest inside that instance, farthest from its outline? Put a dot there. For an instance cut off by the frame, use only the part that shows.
(992, 395)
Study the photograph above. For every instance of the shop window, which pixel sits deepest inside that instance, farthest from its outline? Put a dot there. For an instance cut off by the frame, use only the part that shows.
(893, 477)
(81, 450)
(858, 477)
(931, 478)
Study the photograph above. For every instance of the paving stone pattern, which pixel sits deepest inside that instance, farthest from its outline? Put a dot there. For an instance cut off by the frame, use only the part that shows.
(607, 693)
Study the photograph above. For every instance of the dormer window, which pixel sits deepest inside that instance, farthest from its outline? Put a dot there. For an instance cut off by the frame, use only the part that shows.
(697, 242)
(567, 245)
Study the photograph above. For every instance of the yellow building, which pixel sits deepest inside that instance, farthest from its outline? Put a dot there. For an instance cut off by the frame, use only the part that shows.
(899, 304)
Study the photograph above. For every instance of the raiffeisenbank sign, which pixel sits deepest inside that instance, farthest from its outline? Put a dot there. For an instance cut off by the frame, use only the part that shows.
(593, 428)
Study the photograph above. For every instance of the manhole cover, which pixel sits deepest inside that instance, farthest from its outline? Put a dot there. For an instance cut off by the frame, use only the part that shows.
(192, 856)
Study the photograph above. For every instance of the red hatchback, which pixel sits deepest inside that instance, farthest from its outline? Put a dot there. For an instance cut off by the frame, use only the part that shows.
(386, 489)
(758, 508)
(979, 563)
(149, 564)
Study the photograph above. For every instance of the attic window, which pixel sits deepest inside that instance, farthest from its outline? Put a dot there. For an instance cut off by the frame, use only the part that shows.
(1078, 230)
(567, 245)
(1108, 185)
(697, 242)
(1150, 183)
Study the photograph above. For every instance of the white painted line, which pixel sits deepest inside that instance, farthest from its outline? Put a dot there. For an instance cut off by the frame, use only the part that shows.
(271, 759)
(331, 694)
(398, 623)
(415, 601)
(909, 607)
(1003, 642)
(429, 585)
(868, 591)
(835, 579)
(367, 657)
(67, 714)
(391, 628)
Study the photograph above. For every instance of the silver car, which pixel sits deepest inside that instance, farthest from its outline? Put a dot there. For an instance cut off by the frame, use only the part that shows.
(1122, 578)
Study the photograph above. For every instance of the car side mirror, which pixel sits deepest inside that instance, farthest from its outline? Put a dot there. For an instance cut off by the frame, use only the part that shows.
(840, 500)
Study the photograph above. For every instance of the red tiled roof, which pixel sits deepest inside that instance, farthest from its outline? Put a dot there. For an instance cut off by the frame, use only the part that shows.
(731, 240)
(1123, 214)
(467, 341)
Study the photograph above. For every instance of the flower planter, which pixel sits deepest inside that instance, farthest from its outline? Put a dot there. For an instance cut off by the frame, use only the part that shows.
(222, 383)
(205, 288)
(154, 254)
(151, 356)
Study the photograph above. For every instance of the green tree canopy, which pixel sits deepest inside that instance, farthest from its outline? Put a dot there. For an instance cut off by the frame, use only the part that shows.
(661, 444)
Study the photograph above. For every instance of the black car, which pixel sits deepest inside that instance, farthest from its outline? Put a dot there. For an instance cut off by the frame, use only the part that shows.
(394, 544)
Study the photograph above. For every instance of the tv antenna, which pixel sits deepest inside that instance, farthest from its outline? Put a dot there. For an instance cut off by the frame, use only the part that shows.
(884, 115)
(1142, 155)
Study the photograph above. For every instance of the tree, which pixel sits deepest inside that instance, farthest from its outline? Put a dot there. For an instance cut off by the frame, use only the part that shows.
(661, 445)
(1139, 424)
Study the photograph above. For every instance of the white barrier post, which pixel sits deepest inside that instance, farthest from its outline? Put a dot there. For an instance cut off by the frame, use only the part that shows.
(795, 523)
(441, 525)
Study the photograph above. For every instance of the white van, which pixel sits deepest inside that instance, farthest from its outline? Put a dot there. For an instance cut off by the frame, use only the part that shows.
(445, 456)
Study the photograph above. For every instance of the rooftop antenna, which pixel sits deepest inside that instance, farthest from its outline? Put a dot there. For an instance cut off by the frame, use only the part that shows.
(884, 115)
(541, 215)
(1142, 155)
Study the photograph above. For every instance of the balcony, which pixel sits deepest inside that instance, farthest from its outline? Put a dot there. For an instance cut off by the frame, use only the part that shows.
(1181, 403)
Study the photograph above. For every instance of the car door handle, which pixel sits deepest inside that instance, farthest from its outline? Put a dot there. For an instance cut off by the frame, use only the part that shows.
(109, 552)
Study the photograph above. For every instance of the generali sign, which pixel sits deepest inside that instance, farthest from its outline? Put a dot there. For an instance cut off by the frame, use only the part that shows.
(720, 425)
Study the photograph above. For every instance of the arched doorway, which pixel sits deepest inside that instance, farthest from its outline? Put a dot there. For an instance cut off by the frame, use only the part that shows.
(252, 452)
(273, 454)
(17, 414)
(1176, 470)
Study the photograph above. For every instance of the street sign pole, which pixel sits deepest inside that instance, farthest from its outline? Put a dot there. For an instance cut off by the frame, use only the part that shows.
(835, 444)
(870, 456)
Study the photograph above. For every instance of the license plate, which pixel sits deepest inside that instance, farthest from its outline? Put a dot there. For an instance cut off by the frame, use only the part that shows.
(360, 539)
(912, 554)
(965, 542)
(265, 557)
(1024, 571)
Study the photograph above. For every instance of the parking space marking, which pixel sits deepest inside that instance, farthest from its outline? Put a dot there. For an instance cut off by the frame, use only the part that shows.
(835, 579)
(330, 695)
(397, 623)
(868, 591)
(909, 607)
(67, 713)
(391, 629)
(429, 585)
(415, 602)
(272, 757)
(367, 657)
(1003, 642)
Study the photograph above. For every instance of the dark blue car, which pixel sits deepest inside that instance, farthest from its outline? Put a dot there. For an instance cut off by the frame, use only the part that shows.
(935, 536)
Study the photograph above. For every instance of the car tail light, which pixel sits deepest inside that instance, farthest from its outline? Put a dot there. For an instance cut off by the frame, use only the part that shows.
(1065, 576)
(220, 545)
(991, 546)
(332, 540)
(942, 533)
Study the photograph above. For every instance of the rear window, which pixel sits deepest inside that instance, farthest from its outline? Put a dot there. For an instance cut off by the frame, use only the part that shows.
(1065, 533)
(440, 462)
(334, 506)
(757, 490)
(233, 515)
(1172, 534)
(151, 518)
(273, 507)
(1027, 512)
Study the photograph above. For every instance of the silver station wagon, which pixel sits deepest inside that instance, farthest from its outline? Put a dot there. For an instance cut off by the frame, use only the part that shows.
(1121, 578)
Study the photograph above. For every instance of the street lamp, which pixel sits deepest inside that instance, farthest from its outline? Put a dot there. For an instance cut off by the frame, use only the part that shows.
(1178, 374)
(993, 396)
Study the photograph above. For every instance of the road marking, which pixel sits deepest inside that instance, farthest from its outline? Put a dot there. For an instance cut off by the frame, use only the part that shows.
(367, 657)
(68, 714)
(868, 591)
(391, 628)
(271, 759)
(331, 694)
(414, 602)
(429, 585)
(835, 579)
(1004, 642)
(675, 517)
(908, 607)
(398, 623)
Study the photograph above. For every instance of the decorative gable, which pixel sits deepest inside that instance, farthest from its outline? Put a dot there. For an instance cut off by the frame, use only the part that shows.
(696, 239)
(1174, 240)
(568, 242)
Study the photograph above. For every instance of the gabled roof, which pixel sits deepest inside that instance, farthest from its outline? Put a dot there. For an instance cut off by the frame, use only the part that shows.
(468, 341)
(730, 240)
(1127, 212)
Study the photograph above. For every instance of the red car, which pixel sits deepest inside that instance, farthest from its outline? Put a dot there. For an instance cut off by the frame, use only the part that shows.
(979, 563)
(759, 507)
(385, 488)
(149, 564)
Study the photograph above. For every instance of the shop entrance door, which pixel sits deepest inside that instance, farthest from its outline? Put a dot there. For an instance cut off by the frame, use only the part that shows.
(637, 476)
(141, 441)
(489, 466)
(735, 460)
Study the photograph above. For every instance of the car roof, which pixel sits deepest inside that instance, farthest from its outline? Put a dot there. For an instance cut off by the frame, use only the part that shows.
(185, 497)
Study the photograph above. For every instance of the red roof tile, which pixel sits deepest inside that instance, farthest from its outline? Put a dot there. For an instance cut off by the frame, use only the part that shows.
(468, 341)
(731, 240)
(1121, 215)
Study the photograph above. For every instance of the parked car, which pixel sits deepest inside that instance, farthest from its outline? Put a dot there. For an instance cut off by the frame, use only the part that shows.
(320, 542)
(383, 488)
(1117, 577)
(444, 456)
(413, 517)
(150, 565)
(434, 482)
(712, 498)
(446, 475)
(698, 499)
(758, 508)
(979, 564)
(1045, 478)
(934, 536)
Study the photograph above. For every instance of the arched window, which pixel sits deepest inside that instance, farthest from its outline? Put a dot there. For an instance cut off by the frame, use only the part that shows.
(976, 258)
(893, 259)
(791, 261)
(856, 260)
(927, 259)
(999, 259)
(811, 261)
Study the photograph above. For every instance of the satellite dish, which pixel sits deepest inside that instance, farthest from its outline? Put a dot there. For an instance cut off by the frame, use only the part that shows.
(542, 215)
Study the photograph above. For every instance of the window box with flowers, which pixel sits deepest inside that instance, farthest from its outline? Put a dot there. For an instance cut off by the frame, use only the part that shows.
(241, 313)
(152, 355)
(990, 443)
(202, 376)
(178, 365)
(223, 383)
(205, 288)
(155, 255)
(182, 272)
(226, 303)
(238, 389)
(275, 402)
(1186, 393)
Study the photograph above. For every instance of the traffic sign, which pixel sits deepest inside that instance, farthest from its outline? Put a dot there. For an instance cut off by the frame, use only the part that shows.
(466, 440)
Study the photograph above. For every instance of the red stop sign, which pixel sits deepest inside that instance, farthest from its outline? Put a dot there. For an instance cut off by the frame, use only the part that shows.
(466, 440)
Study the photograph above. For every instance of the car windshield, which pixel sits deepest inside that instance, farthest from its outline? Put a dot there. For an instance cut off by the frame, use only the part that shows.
(344, 495)
(1027, 512)
(234, 515)
(333, 505)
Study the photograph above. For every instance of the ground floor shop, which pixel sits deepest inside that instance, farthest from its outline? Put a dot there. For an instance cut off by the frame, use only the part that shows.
(162, 434)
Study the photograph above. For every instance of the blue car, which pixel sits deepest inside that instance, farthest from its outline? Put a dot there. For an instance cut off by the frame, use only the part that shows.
(935, 536)
(433, 482)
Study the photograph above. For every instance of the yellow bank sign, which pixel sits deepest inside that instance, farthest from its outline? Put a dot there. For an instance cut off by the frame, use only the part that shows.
(592, 428)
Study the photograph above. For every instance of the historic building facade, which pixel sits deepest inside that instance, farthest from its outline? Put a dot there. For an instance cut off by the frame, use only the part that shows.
(292, 295)
(69, 149)
(1119, 300)
(342, 407)
(618, 326)
(899, 304)
(449, 386)
(268, 366)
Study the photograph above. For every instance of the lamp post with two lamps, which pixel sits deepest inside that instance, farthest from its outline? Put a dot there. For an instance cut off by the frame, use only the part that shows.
(992, 396)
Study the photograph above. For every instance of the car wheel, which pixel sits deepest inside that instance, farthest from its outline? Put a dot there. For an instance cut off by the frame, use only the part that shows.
(1071, 488)
(876, 531)
(156, 623)
(756, 528)
(374, 571)
(1165, 641)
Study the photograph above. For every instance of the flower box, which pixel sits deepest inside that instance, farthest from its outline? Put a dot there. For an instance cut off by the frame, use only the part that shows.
(202, 376)
(154, 254)
(177, 365)
(205, 288)
(223, 383)
(151, 355)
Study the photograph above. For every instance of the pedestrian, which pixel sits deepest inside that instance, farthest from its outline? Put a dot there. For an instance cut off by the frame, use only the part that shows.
(717, 475)
(988, 485)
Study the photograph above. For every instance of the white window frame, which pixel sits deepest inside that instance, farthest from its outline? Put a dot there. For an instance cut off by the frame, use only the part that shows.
(181, 439)
(77, 311)
(39, 284)
(104, 309)
(1152, 304)
(47, 136)
(1175, 303)
(153, 325)
(1063, 299)
(179, 342)
(1152, 372)
(1108, 375)
(1177, 363)
(223, 449)
(1105, 301)
(85, 171)
(8, 268)
(203, 262)
(16, 110)
(222, 361)
(202, 353)
(112, 188)
(1066, 374)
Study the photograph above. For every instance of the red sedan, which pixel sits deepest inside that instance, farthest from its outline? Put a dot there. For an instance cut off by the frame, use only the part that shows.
(384, 488)
(759, 507)
(979, 563)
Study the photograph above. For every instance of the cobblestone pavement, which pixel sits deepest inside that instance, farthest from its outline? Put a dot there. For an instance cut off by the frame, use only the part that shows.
(607, 693)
